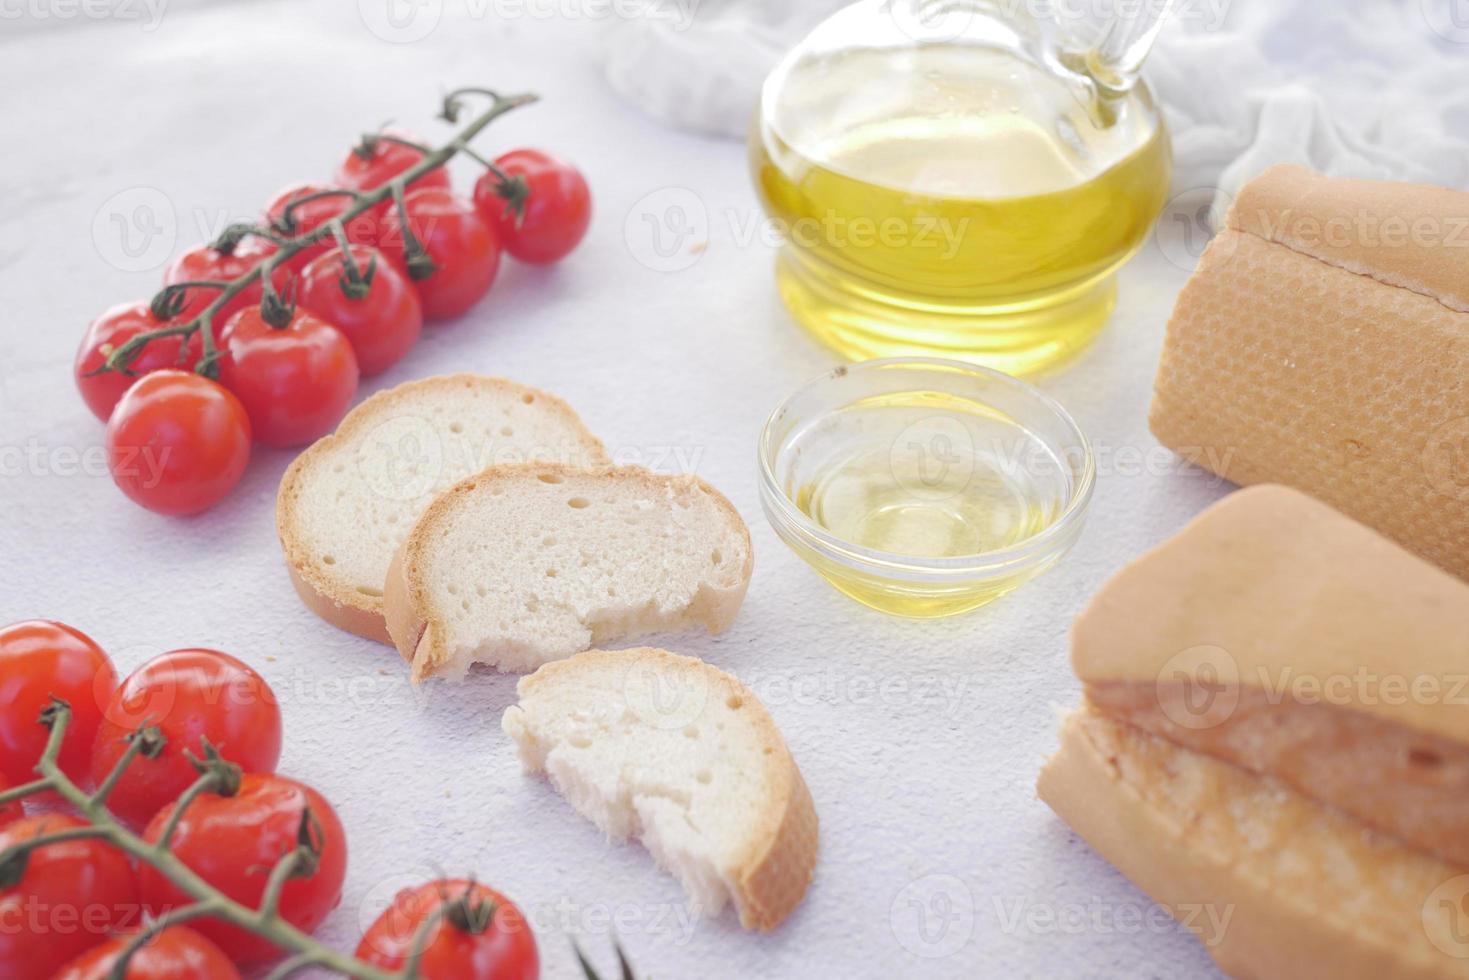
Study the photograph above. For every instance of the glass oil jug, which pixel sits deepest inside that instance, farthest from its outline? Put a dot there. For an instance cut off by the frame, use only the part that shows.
(961, 178)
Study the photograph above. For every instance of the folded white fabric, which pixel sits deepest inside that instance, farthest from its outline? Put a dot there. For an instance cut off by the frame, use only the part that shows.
(1363, 88)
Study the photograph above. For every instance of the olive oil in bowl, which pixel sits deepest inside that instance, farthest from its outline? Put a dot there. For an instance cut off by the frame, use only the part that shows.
(924, 487)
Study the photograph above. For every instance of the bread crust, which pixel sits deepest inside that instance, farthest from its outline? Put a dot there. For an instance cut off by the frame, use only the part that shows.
(335, 601)
(1106, 781)
(410, 611)
(1412, 236)
(1332, 359)
(1287, 588)
(778, 860)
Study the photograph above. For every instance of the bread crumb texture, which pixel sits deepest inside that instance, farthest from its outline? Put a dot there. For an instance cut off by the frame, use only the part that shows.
(674, 753)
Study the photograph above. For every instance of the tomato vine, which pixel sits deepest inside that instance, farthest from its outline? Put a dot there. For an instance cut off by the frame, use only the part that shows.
(170, 300)
(219, 776)
(216, 775)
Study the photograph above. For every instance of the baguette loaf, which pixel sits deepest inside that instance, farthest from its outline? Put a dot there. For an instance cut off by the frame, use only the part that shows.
(680, 755)
(1323, 343)
(347, 502)
(1274, 884)
(1278, 635)
(524, 564)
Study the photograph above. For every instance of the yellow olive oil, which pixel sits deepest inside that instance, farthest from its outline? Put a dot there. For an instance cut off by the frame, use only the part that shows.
(928, 475)
(954, 200)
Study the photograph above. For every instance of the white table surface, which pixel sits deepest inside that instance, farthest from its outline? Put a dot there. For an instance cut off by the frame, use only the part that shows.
(920, 740)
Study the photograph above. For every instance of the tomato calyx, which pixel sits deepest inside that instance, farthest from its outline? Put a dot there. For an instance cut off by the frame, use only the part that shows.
(354, 281)
(516, 191)
(216, 774)
(366, 148)
(420, 264)
(276, 310)
(170, 301)
(229, 239)
(469, 914)
(149, 739)
(310, 842)
(53, 712)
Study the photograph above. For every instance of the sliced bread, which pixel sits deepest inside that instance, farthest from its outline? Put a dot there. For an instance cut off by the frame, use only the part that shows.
(348, 501)
(521, 565)
(680, 755)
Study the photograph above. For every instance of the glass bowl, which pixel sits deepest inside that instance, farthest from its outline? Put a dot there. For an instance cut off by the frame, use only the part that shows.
(925, 487)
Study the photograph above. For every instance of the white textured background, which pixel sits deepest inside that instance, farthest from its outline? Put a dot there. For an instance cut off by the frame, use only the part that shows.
(920, 741)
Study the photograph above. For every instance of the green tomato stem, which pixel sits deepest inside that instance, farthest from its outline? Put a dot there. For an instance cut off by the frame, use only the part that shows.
(288, 247)
(205, 899)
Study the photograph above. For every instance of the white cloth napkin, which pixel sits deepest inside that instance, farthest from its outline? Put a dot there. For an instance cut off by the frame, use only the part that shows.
(1364, 88)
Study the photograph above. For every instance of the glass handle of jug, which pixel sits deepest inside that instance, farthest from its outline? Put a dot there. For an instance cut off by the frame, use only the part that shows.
(1117, 60)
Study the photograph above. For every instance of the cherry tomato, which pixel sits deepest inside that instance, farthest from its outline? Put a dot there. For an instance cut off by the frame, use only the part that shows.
(382, 324)
(204, 262)
(556, 213)
(39, 660)
(296, 382)
(72, 895)
(361, 230)
(468, 943)
(107, 333)
(462, 245)
(176, 953)
(9, 812)
(369, 171)
(232, 842)
(191, 696)
(177, 442)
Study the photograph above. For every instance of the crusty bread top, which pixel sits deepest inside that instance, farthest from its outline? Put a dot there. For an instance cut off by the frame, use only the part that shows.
(1410, 235)
(522, 564)
(681, 755)
(1272, 588)
(346, 503)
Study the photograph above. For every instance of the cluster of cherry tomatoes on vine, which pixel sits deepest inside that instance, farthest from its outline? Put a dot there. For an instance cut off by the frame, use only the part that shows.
(286, 349)
(69, 911)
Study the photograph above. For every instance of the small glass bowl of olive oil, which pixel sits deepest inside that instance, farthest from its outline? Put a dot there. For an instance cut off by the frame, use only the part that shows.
(925, 487)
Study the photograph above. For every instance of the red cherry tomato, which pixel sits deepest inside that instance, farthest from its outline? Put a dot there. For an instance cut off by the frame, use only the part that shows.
(191, 696)
(296, 382)
(462, 245)
(386, 160)
(107, 333)
(460, 947)
(176, 953)
(556, 213)
(382, 324)
(39, 660)
(204, 262)
(177, 442)
(307, 217)
(72, 896)
(232, 842)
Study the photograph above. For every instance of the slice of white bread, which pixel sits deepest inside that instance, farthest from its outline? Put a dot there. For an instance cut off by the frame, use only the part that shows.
(1273, 883)
(1284, 637)
(347, 502)
(520, 565)
(680, 755)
